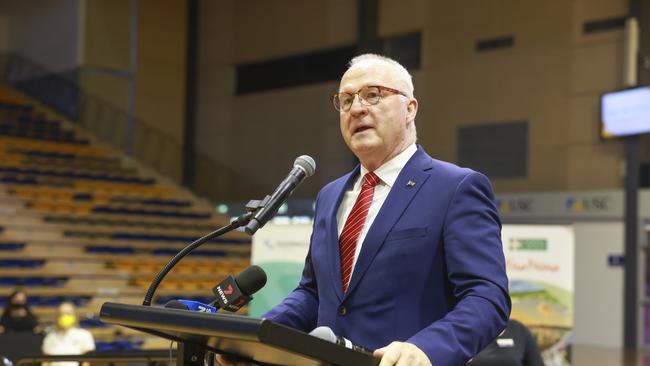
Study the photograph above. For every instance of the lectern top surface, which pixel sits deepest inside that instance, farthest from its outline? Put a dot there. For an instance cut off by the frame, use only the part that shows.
(254, 338)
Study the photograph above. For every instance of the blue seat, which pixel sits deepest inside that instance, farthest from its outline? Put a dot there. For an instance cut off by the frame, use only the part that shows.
(169, 202)
(118, 346)
(109, 249)
(127, 211)
(33, 281)
(171, 238)
(14, 179)
(21, 263)
(8, 282)
(101, 346)
(93, 323)
(15, 247)
(54, 301)
(50, 154)
(83, 197)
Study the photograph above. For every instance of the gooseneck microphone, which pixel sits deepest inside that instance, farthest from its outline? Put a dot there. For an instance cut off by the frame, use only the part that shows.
(258, 213)
(231, 294)
(326, 333)
(303, 167)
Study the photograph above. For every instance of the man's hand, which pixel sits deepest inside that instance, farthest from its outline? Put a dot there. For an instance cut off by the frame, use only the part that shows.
(401, 354)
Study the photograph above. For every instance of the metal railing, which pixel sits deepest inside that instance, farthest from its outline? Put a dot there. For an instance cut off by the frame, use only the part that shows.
(150, 358)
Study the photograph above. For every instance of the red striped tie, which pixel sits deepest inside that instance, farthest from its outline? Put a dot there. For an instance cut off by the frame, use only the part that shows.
(353, 226)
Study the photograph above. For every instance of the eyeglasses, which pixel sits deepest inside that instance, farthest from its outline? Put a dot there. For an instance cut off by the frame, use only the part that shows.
(368, 95)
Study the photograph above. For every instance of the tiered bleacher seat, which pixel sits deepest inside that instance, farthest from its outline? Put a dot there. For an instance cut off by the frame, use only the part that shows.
(79, 223)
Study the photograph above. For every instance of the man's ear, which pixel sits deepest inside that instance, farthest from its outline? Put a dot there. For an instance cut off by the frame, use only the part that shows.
(411, 109)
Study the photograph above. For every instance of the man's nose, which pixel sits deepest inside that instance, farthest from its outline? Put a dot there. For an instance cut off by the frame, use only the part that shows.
(357, 107)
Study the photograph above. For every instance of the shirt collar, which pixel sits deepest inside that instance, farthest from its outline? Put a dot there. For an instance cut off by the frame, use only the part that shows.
(389, 171)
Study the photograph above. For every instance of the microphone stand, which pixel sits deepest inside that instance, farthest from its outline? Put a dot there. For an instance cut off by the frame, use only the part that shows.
(189, 354)
(251, 208)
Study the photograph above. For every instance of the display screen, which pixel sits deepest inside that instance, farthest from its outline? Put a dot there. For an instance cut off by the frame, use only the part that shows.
(625, 112)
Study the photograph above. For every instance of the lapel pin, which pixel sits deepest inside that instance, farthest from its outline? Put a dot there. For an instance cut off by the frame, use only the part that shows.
(410, 183)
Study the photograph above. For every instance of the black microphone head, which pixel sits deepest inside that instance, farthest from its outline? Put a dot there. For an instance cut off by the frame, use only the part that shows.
(306, 163)
(175, 304)
(251, 280)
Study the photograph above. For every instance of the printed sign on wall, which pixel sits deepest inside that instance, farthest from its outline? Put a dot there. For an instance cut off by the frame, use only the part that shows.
(540, 266)
(280, 249)
(539, 261)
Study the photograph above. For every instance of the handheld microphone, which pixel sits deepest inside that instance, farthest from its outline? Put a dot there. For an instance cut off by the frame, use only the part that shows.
(326, 333)
(232, 293)
(303, 167)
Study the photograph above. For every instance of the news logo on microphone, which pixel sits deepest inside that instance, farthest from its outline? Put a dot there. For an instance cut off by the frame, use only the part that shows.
(229, 296)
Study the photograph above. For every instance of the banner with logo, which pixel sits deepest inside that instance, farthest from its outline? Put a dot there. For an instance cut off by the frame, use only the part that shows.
(280, 249)
(600, 204)
(539, 261)
(540, 266)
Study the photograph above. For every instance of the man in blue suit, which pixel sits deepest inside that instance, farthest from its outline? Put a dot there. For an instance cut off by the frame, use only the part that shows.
(405, 254)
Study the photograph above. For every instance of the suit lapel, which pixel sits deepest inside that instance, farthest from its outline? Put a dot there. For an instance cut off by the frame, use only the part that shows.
(333, 233)
(408, 183)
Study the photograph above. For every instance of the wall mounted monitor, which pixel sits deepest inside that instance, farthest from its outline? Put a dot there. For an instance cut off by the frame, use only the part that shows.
(625, 112)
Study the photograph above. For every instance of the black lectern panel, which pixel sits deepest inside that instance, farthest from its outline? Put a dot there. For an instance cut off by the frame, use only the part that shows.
(257, 339)
(15, 346)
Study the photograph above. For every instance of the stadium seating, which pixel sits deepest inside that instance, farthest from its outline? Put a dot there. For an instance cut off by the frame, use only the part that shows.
(80, 222)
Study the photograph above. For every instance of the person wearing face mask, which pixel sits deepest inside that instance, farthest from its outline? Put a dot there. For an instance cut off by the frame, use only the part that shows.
(67, 338)
(17, 316)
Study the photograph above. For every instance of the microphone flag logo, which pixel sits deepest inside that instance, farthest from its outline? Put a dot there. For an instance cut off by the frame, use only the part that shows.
(229, 295)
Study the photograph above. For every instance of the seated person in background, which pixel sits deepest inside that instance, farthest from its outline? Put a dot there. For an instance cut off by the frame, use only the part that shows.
(17, 317)
(67, 338)
(515, 346)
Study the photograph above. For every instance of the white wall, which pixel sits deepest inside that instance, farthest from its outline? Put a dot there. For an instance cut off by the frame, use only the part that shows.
(598, 286)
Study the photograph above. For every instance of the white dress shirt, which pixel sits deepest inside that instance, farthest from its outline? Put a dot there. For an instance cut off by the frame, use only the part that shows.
(387, 174)
(74, 341)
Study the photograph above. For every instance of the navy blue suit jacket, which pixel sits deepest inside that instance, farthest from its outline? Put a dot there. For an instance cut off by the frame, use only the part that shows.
(430, 272)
